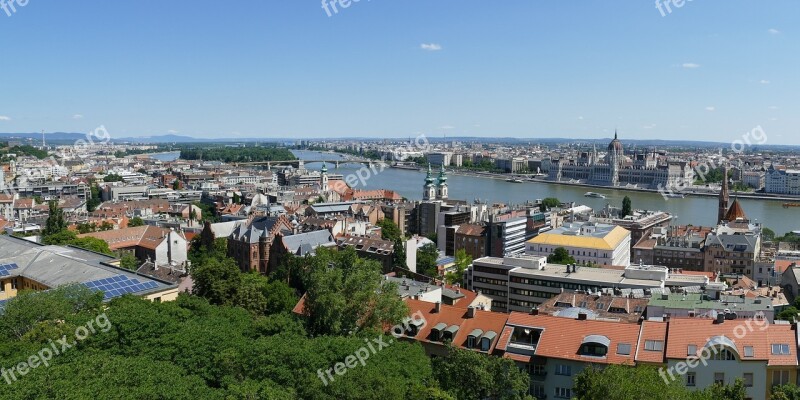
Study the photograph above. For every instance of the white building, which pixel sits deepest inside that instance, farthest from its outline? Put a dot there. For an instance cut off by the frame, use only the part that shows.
(588, 243)
(782, 181)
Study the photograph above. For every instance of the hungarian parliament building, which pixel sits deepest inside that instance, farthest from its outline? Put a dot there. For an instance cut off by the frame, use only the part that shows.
(644, 170)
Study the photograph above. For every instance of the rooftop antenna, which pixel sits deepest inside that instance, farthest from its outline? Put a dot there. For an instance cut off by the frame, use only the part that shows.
(43, 142)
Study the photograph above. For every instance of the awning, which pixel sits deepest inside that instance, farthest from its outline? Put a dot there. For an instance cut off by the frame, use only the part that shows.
(597, 339)
(518, 357)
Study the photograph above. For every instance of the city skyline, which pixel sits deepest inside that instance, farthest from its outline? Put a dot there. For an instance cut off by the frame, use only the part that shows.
(290, 70)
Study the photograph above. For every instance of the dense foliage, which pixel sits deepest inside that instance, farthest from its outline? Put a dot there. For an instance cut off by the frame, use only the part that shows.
(236, 154)
(620, 382)
(560, 255)
(426, 260)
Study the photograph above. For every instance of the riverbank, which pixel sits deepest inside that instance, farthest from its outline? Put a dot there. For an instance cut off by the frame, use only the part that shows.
(504, 177)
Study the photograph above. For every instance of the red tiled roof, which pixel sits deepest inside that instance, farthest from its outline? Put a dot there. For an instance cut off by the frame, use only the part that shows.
(451, 315)
(562, 337)
(651, 330)
(690, 331)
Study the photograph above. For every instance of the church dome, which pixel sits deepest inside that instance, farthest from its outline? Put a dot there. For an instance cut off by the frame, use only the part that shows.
(615, 144)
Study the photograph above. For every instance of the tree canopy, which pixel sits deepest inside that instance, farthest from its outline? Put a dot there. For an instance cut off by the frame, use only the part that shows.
(560, 255)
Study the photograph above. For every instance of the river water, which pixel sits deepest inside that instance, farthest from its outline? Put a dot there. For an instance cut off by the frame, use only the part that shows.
(696, 210)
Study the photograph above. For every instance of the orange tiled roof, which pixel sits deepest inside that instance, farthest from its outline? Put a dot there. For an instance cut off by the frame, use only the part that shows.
(453, 315)
(562, 337)
(691, 331)
(651, 330)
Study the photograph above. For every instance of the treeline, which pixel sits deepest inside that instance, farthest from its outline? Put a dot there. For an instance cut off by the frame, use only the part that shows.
(24, 150)
(235, 338)
(237, 154)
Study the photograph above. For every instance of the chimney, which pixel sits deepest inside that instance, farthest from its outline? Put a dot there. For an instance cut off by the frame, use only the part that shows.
(534, 311)
(582, 316)
(470, 312)
(720, 318)
(437, 307)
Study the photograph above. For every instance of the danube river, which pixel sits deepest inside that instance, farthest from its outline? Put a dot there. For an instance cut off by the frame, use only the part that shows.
(696, 210)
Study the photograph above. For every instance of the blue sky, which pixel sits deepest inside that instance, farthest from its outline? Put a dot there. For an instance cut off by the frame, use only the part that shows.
(709, 70)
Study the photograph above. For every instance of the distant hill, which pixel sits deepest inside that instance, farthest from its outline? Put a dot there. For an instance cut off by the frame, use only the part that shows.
(71, 137)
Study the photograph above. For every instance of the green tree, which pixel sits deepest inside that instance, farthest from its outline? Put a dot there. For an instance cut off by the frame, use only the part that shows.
(548, 203)
(86, 227)
(105, 226)
(560, 255)
(462, 262)
(622, 382)
(767, 234)
(389, 230)
(135, 221)
(112, 178)
(55, 221)
(217, 280)
(785, 392)
(129, 261)
(347, 294)
(426, 260)
(94, 198)
(468, 375)
(626, 207)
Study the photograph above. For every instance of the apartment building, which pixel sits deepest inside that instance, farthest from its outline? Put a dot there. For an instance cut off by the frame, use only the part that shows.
(587, 242)
(520, 283)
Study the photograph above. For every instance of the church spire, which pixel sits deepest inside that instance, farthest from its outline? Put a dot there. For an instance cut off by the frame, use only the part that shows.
(723, 197)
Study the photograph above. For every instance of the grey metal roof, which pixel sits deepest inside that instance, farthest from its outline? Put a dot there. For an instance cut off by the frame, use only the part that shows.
(305, 243)
(55, 266)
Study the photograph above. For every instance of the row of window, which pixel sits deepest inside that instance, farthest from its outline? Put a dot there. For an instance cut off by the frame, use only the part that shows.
(544, 283)
(490, 281)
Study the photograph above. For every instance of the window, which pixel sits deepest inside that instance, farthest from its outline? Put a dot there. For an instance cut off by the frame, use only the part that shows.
(748, 379)
(719, 377)
(691, 350)
(536, 369)
(563, 393)
(538, 391)
(691, 379)
(562, 369)
(748, 351)
(653, 345)
(624, 349)
(722, 354)
(780, 378)
(780, 349)
(593, 349)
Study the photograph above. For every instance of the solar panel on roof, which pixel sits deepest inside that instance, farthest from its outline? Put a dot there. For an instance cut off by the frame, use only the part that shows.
(5, 268)
(119, 285)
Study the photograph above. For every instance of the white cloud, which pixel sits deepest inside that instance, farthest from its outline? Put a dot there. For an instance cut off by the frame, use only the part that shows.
(77, 116)
(773, 31)
(711, 108)
(430, 46)
(5, 118)
(764, 82)
(580, 118)
(690, 65)
(172, 131)
(447, 127)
